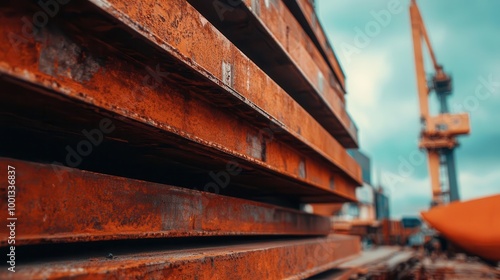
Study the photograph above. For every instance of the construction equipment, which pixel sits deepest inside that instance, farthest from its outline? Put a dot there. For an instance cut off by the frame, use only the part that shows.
(438, 133)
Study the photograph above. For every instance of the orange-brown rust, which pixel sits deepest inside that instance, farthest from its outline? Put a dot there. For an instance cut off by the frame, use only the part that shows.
(269, 35)
(306, 9)
(287, 259)
(292, 37)
(55, 204)
(109, 88)
(190, 38)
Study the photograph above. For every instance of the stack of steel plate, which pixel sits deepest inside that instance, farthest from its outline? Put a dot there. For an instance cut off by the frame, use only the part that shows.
(171, 139)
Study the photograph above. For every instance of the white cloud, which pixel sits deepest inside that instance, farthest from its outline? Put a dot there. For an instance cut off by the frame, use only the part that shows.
(367, 74)
(372, 98)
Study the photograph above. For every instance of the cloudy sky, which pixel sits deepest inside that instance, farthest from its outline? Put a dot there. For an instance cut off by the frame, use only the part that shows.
(382, 93)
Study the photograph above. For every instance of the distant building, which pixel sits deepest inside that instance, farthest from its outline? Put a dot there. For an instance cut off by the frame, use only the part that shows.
(365, 164)
(382, 205)
(411, 222)
(364, 209)
(373, 203)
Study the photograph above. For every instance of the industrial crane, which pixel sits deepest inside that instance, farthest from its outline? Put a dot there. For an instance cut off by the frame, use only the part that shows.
(438, 133)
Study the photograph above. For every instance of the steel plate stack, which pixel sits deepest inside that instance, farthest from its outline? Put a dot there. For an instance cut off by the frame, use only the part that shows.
(172, 139)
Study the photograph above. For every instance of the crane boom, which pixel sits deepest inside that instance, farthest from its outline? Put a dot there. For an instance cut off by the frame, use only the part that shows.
(438, 133)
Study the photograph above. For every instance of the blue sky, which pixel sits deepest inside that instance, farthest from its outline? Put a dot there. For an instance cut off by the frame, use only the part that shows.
(382, 94)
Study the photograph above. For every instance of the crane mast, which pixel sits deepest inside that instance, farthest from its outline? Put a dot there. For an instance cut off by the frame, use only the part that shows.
(438, 133)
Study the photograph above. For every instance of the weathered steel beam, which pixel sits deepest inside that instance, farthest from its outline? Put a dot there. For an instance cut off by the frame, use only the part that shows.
(270, 35)
(69, 205)
(224, 61)
(304, 12)
(101, 75)
(60, 130)
(281, 259)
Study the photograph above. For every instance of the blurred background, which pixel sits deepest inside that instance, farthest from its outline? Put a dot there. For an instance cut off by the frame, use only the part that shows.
(382, 90)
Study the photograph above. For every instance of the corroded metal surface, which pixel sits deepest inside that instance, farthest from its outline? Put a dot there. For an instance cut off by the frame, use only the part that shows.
(269, 35)
(190, 38)
(283, 259)
(303, 10)
(138, 150)
(70, 205)
(143, 97)
(115, 82)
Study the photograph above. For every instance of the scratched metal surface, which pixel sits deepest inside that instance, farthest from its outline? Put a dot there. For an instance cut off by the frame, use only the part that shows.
(304, 12)
(272, 38)
(116, 82)
(267, 259)
(57, 204)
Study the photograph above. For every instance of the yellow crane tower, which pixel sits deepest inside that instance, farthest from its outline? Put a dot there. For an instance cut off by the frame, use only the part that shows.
(438, 133)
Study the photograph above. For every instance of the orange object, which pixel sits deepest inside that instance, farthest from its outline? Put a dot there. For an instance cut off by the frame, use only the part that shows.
(438, 132)
(473, 225)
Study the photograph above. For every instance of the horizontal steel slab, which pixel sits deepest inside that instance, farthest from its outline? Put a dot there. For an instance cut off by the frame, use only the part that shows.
(224, 61)
(190, 146)
(69, 205)
(269, 35)
(278, 259)
(109, 87)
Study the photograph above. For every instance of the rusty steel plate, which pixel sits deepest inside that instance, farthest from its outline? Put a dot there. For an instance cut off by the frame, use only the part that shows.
(225, 62)
(269, 259)
(63, 131)
(183, 104)
(56, 204)
(304, 12)
(271, 37)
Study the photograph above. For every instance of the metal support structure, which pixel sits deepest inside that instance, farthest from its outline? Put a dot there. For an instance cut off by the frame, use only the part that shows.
(438, 135)
(443, 91)
(452, 174)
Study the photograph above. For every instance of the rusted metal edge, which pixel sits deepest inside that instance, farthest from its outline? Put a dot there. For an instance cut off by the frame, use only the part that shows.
(306, 15)
(286, 24)
(69, 205)
(182, 152)
(300, 121)
(271, 38)
(277, 19)
(287, 259)
(225, 62)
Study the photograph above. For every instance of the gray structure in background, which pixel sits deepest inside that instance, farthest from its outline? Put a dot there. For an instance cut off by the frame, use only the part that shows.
(364, 162)
(382, 210)
(381, 200)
